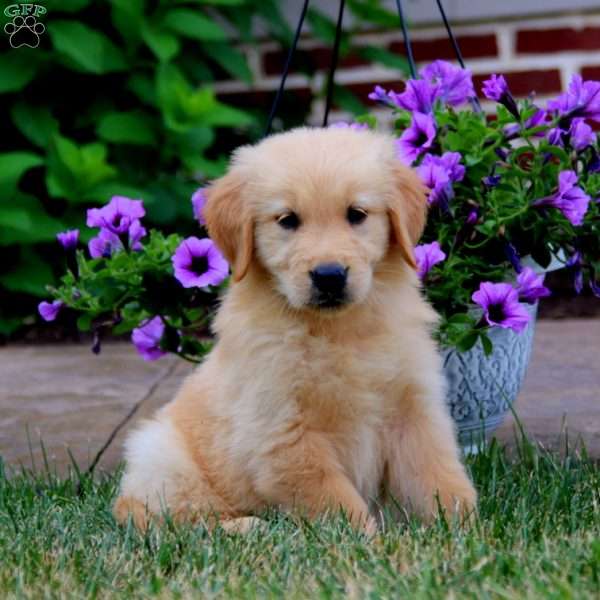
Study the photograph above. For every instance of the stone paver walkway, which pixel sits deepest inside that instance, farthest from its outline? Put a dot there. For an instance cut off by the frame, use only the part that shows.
(79, 404)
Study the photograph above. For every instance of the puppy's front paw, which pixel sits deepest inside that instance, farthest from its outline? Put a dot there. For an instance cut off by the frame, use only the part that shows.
(241, 525)
(459, 499)
(126, 506)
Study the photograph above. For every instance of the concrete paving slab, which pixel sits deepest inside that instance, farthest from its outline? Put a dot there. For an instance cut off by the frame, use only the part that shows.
(69, 398)
(562, 386)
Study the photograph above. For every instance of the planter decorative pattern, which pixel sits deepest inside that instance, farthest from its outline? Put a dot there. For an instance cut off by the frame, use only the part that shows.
(482, 388)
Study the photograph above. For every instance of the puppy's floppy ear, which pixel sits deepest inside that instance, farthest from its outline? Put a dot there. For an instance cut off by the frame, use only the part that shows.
(229, 222)
(407, 211)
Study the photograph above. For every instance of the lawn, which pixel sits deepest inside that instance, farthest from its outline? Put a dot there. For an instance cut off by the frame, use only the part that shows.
(536, 536)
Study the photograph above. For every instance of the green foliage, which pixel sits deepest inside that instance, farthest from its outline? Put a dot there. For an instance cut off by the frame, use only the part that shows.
(536, 535)
(118, 100)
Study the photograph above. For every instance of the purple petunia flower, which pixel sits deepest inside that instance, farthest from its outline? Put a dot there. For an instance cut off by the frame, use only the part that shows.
(581, 134)
(380, 95)
(136, 232)
(117, 216)
(419, 96)
(491, 180)
(436, 178)
(500, 303)
(575, 265)
(68, 239)
(198, 202)
(199, 263)
(582, 99)
(438, 173)
(104, 244)
(472, 217)
(513, 256)
(496, 88)
(570, 199)
(454, 85)
(426, 256)
(530, 286)
(555, 136)
(147, 337)
(416, 139)
(49, 310)
(536, 120)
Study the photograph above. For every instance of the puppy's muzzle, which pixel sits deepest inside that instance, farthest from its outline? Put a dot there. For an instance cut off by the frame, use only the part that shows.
(329, 285)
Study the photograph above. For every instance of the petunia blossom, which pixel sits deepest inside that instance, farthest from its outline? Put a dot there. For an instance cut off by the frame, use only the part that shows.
(570, 199)
(68, 239)
(49, 310)
(536, 120)
(428, 255)
(198, 263)
(496, 88)
(582, 99)
(146, 338)
(117, 216)
(419, 96)
(436, 178)
(381, 96)
(501, 307)
(198, 203)
(416, 139)
(104, 244)
(454, 85)
(530, 286)
(581, 134)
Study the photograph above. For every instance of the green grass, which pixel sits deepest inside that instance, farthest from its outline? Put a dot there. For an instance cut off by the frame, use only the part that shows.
(536, 536)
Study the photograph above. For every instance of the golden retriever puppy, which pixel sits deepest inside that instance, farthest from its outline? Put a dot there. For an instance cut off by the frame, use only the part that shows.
(324, 390)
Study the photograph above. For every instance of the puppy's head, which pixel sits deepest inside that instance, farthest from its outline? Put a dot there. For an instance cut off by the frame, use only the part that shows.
(319, 209)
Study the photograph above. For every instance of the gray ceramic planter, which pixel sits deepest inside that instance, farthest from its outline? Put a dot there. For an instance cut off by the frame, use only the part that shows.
(482, 388)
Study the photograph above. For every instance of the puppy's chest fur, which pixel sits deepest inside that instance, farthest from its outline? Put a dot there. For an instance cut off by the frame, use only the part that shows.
(338, 388)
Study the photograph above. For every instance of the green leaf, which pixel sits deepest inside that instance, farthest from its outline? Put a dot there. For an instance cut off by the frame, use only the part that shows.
(164, 44)
(12, 167)
(385, 57)
(36, 123)
(31, 275)
(16, 218)
(17, 69)
(232, 60)
(84, 322)
(321, 25)
(43, 228)
(133, 127)
(348, 101)
(86, 49)
(368, 11)
(74, 170)
(193, 24)
(9, 325)
(486, 342)
(467, 341)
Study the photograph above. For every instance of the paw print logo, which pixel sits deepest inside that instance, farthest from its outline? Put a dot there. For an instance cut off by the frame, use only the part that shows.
(24, 31)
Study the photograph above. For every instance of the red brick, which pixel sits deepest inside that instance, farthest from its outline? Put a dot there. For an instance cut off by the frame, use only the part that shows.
(471, 46)
(537, 41)
(591, 73)
(521, 83)
(309, 61)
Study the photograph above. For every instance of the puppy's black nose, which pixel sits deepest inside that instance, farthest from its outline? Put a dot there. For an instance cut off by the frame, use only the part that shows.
(329, 278)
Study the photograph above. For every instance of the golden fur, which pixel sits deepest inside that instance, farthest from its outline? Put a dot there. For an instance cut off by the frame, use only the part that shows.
(307, 409)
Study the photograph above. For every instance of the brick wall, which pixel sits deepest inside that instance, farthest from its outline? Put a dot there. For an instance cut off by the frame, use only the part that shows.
(538, 54)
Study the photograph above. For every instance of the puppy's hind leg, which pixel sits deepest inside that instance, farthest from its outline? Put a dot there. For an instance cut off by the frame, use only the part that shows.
(161, 477)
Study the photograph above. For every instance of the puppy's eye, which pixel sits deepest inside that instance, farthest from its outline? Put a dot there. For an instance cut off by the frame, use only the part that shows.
(289, 221)
(356, 216)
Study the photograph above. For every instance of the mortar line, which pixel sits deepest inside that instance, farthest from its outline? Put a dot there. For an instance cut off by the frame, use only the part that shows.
(128, 417)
